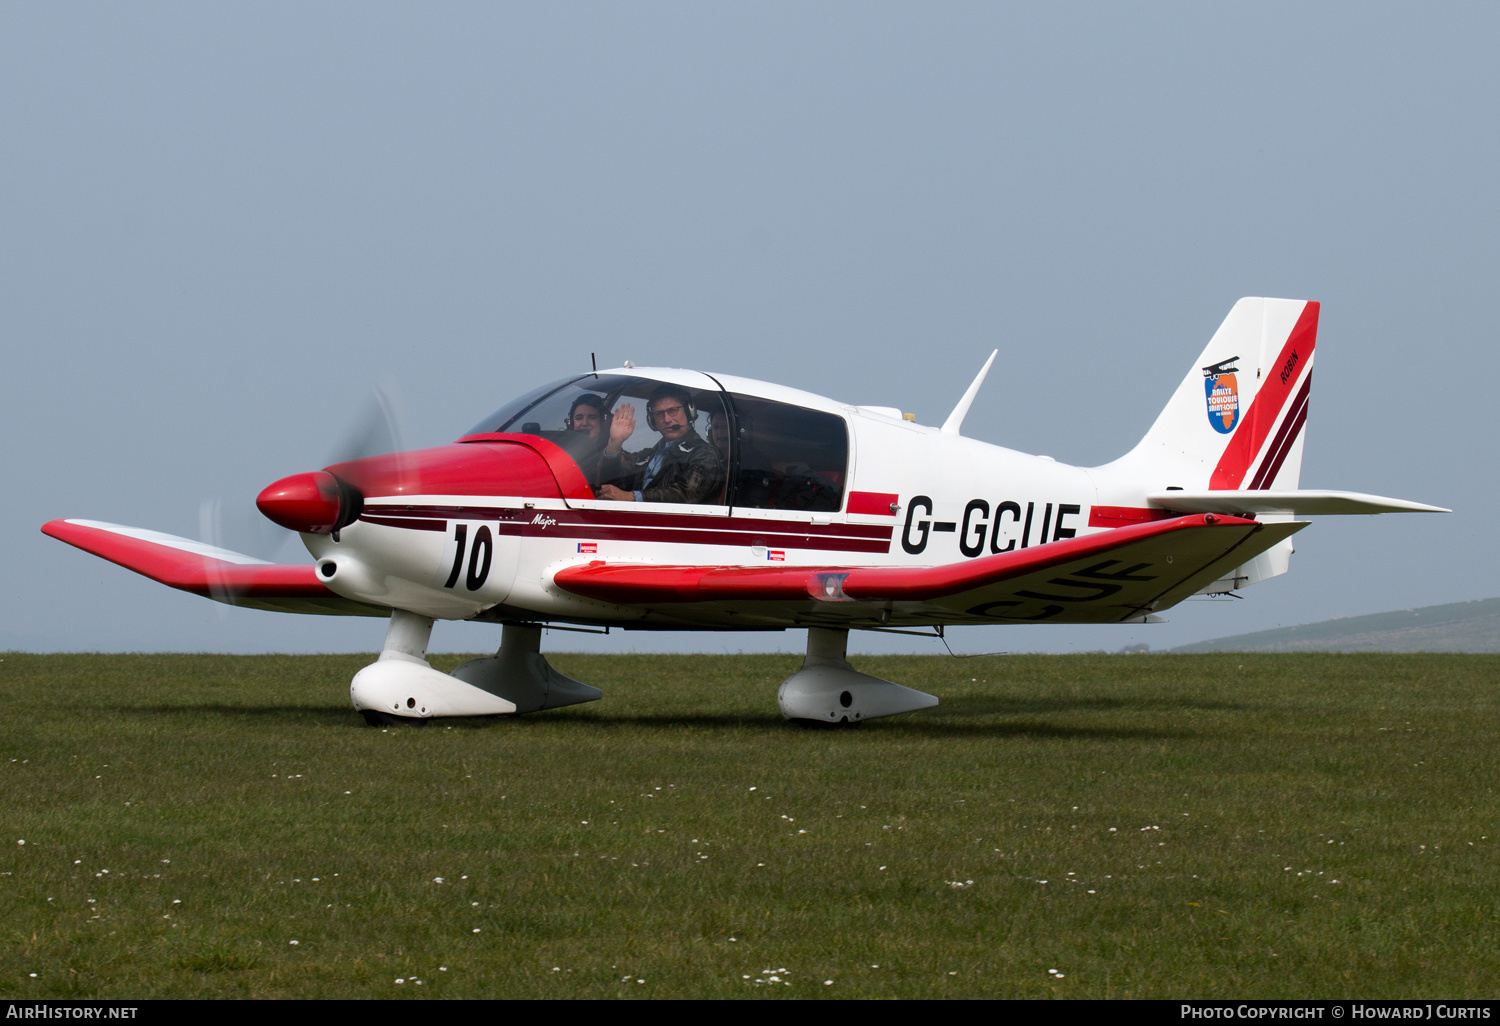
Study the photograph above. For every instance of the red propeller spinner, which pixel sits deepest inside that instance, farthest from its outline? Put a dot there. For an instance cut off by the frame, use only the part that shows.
(312, 503)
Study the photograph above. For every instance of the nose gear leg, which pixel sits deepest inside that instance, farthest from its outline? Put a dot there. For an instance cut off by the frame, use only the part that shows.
(401, 687)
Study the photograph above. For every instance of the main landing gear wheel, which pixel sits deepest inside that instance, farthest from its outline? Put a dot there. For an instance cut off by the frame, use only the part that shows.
(828, 692)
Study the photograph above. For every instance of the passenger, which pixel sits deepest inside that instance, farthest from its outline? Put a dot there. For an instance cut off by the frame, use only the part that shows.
(588, 414)
(586, 436)
(682, 467)
(718, 431)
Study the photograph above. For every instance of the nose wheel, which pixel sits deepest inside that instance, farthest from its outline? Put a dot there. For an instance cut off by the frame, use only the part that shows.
(376, 718)
(401, 687)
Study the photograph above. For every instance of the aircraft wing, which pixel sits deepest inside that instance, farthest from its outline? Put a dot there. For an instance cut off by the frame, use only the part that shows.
(1302, 501)
(219, 574)
(1108, 577)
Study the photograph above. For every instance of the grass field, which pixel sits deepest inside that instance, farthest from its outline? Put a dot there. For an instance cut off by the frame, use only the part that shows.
(1147, 826)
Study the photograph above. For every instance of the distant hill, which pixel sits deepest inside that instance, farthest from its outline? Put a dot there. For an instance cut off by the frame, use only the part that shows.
(1457, 627)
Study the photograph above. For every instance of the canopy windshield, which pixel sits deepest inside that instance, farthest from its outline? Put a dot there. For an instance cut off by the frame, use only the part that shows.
(582, 414)
(784, 456)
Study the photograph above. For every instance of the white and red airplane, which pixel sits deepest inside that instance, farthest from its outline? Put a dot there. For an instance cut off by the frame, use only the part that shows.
(740, 505)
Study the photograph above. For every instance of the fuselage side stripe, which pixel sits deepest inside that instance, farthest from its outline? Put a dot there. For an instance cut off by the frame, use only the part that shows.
(1122, 516)
(411, 523)
(649, 521)
(679, 536)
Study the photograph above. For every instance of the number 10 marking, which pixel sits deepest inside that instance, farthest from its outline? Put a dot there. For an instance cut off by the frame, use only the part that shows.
(479, 565)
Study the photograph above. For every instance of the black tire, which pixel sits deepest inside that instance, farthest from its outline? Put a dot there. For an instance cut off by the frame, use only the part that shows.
(843, 724)
(376, 718)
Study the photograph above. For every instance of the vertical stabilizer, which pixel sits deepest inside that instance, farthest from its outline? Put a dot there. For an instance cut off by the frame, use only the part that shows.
(1237, 419)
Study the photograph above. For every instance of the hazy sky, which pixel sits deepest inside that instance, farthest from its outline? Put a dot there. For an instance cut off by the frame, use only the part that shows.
(223, 224)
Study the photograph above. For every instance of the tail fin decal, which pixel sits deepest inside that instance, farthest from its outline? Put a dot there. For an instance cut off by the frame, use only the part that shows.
(1270, 397)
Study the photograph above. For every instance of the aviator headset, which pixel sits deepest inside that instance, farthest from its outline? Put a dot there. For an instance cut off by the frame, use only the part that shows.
(588, 400)
(680, 394)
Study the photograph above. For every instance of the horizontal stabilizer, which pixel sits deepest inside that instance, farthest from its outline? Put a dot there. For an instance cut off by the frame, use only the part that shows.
(1308, 502)
(219, 574)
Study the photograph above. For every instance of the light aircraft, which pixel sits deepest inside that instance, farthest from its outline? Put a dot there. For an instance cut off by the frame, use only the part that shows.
(740, 505)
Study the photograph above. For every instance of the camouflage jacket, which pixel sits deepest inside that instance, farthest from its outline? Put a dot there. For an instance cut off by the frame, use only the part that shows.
(692, 471)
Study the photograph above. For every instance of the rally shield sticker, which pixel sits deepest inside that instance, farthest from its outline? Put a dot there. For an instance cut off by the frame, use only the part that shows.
(1223, 393)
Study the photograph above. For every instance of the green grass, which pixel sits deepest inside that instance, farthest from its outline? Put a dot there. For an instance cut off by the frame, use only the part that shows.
(1212, 825)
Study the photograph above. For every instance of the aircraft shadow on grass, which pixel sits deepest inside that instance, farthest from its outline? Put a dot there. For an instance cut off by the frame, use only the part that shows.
(334, 716)
(939, 725)
(956, 719)
(1041, 706)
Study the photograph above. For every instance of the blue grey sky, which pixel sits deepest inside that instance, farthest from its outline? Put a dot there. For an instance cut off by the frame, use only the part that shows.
(224, 224)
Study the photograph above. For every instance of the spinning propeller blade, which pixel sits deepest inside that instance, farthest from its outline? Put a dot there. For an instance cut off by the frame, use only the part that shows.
(379, 429)
(236, 524)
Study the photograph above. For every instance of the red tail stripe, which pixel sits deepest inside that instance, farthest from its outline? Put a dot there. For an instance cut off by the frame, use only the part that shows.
(1275, 468)
(1284, 437)
(1247, 440)
(1276, 454)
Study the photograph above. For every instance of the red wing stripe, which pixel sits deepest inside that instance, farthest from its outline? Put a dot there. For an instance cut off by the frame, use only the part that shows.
(633, 583)
(1247, 440)
(934, 582)
(1276, 454)
(189, 571)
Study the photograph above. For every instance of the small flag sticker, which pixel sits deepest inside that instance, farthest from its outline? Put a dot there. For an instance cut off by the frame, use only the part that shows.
(776, 556)
(588, 548)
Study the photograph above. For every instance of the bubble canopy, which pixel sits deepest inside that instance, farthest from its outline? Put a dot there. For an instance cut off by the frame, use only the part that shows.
(768, 454)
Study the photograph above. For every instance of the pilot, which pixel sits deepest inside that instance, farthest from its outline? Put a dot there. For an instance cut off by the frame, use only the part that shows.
(682, 467)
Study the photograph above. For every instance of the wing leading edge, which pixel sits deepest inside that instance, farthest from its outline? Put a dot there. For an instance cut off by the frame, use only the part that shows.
(215, 573)
(1109, 577)
(1301, 502)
